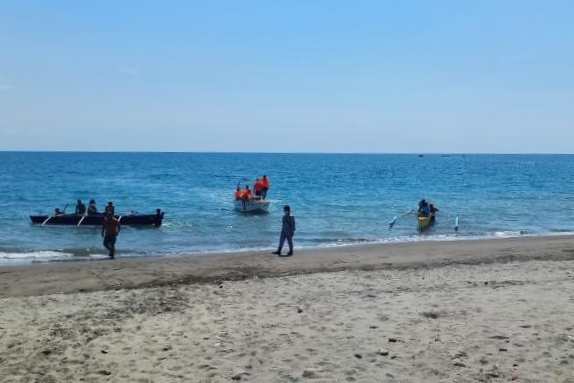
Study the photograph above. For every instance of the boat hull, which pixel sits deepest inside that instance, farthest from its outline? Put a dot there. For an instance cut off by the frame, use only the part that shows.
(97, 220)
(424, 223)
(254, 206)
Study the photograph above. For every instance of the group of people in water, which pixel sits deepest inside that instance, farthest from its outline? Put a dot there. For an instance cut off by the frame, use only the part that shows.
(427, 210)
(260, 188)
(92, 209)
(111, 225)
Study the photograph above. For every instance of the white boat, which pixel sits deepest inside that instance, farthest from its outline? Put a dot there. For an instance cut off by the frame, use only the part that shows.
(252, 206)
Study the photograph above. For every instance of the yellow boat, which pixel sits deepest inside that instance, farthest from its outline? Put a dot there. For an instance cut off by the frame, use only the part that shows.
(424, 222)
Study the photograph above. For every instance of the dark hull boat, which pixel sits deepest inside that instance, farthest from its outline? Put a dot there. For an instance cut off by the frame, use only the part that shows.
(97, 220)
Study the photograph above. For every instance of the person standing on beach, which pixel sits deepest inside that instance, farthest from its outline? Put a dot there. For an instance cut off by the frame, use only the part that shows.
(287, 231)
(110, 230)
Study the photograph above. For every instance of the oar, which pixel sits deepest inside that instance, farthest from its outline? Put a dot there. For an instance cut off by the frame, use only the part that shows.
(79, 223)
(46, 221)
(394, 220)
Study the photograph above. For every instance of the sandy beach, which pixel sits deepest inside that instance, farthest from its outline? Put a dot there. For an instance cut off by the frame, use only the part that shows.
(463, 311)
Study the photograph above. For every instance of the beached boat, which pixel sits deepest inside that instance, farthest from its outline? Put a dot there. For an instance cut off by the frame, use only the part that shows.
(252, 206)
(97, 220)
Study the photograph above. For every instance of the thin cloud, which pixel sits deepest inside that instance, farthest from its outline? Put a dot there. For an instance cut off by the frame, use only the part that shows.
(7, 87)
(129, 71)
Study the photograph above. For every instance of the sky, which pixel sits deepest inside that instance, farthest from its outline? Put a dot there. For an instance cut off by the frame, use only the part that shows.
(287, 76)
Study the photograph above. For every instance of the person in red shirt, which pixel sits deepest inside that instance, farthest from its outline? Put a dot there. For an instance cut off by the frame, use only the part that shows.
(258, 188)
(265, 186)
(238, 193)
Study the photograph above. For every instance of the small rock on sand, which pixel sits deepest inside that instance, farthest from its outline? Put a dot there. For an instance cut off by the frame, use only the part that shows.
(383, 352)
(238, 375)
(310, 373)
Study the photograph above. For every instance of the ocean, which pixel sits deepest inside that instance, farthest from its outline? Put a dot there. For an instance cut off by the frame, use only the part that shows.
(337, 199)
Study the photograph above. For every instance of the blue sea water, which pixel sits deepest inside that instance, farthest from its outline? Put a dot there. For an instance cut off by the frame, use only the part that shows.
(338, 199)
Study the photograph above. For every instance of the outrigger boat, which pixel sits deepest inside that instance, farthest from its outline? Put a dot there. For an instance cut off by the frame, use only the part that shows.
(252, 206)
(97, 220)
(424, 221)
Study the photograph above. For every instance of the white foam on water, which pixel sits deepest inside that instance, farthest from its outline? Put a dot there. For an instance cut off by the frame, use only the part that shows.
(507, 234)
(33, 255)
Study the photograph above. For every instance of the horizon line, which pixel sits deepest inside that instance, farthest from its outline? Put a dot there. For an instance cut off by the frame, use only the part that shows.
(248, 152)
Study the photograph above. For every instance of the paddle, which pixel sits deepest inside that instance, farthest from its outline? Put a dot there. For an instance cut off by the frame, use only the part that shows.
(47, 219)
(394, 220)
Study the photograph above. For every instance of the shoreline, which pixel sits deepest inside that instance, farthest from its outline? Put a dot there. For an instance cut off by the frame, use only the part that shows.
(69, 256)
(132, 273)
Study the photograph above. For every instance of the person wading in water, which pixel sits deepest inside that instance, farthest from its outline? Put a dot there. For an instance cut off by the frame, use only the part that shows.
(110, 230)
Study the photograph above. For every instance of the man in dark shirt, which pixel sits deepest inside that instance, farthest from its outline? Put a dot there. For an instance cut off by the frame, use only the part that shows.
(110, 208)
(80, 208)
(287, 231)
(157, 218)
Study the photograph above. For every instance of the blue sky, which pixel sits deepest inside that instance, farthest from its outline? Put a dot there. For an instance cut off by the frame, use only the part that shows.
(287, 76)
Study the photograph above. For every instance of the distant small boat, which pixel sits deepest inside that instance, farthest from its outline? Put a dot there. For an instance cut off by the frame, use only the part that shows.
(252, 206)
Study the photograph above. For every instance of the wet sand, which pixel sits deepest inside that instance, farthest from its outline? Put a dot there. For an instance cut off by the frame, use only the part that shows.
(464, 311)
(87, 276)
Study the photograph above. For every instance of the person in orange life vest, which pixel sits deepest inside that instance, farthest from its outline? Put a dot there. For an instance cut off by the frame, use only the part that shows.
(265, 186)
(246, 195)
(258, 188)
(238, 193)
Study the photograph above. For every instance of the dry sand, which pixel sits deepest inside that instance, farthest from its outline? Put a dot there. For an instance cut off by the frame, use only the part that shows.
(472, 311)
